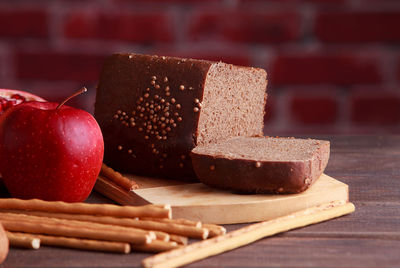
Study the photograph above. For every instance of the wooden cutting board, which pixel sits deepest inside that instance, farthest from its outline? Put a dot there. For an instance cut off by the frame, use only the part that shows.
(197, 201)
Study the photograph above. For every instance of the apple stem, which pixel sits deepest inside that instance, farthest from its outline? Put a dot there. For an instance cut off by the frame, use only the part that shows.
(76, 93)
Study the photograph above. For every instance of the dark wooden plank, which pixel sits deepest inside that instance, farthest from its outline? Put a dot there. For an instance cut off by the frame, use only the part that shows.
(370, 237)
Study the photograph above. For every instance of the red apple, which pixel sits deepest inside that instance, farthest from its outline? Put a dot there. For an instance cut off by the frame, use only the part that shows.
(12, 97)
(50, 151)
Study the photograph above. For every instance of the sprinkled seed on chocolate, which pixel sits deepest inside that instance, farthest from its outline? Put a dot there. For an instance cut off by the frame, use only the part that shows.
(167, 88)
(133, 112)
(156, 96)
(176, 114)
(166, 109)
(146, 137)
(258, 164)
(126, 117)
(151, 114)
(159, 137)
(148, 89)
(147, 131)
(179, 119)
(146, 95)
(144, 124)
(129, 151)
(152, 145)
(212, 167)
(157, 86)
(154, 120)
(153, 82)
(183, 157)
(195, 109)
(154, 151)
(138, 108)
(190, 88)
(156, 132)
(147, 109)
(130, 56)
(164, 137)
(165, 79)
(143, 109)
(151, 106)
(168, 129)
(153, 77)
(119, 112)
(167, 104)
(123, 113)
(119, 147)
(178, 106)
(167, 120)
(115, 116)
(166, 114)
(140, 129)
(162, 100)
(174, 124)
(133, 124)
(167, 94)
(141, 115)
(155, 127)
(140, 99)
(121, 118)
(181, 165)
(173, 100)
(162, 118)
(131, 119)
(158, 107)
(196, 100)
(149, 127)
(181, 87)
(163, 132)
(199, 104)
(171, 121)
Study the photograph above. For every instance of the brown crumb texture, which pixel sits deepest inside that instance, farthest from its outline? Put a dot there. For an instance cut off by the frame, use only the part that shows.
(261, 164)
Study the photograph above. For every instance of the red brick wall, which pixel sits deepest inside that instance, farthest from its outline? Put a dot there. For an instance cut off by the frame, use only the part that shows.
(334, 65)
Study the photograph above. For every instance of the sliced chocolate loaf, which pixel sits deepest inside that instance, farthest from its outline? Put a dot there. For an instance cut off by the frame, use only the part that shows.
(154, 110)
(261, 164)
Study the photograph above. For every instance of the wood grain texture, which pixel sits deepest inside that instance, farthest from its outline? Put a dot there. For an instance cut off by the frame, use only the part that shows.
(369, 237)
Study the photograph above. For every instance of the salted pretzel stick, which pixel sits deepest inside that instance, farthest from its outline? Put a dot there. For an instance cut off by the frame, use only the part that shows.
(81, 224)
(84, 244)
(179, 239)
(176, 221)
(110, 174)
(21, 240)
(156, 246)
(214, 229)
(72, 231)
(167, 227)
(88, 209)
(246, 235)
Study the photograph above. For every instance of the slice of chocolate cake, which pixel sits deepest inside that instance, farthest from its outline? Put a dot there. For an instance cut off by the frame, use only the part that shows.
(154, 110)
(261, 164)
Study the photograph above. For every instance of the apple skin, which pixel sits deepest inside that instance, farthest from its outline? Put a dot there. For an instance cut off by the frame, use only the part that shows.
(48, 153)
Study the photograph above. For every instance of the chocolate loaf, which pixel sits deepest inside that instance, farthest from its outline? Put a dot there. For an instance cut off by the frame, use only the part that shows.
(261, 164)
(154, 110)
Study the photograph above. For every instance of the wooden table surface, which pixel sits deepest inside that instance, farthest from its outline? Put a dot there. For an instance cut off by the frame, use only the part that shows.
(370, 237)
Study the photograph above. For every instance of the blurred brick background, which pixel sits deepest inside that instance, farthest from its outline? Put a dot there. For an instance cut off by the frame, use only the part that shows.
(334, 65)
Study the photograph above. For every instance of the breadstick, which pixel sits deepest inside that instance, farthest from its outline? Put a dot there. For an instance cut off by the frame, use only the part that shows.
(73, 231)
(21, 240)
(73, 223)
(214, 229)
(156, 246)
(88, 209)
(246, 235)
(176, 221)
(167, 227)
(85, 244)
(110, 174)
(179, 239)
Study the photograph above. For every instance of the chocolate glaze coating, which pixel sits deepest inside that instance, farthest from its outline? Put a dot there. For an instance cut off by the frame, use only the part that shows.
(131, 108)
